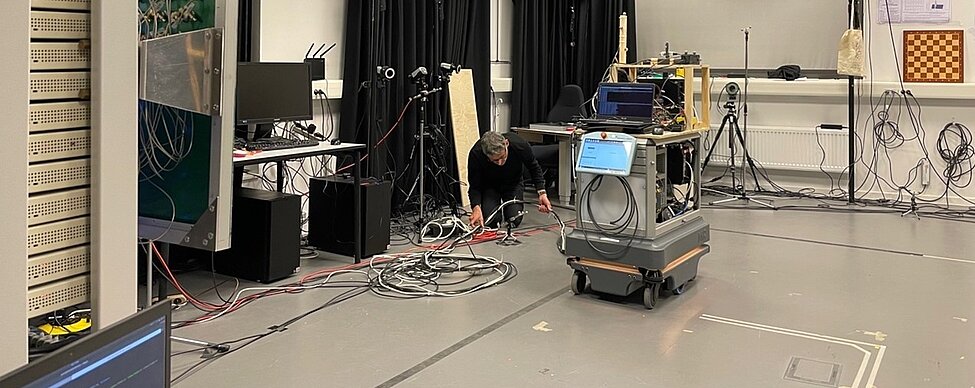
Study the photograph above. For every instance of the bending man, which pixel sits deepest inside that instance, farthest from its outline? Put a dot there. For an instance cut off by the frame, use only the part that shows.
(494, 171)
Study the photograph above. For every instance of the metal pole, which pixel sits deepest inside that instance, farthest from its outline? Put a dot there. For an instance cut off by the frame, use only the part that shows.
(851, 191)
(744, 127)
(852, 146)
(373, 69)
(422, 155)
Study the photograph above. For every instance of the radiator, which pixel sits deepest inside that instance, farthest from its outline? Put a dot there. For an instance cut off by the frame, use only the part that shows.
(786, 148)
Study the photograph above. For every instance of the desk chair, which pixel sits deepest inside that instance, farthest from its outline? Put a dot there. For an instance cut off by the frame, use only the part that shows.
(567, 107)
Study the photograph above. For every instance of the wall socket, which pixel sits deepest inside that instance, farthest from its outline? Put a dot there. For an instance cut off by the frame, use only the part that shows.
(925, 173)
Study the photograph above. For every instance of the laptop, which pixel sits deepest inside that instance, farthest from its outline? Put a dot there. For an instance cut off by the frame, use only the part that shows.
(625, 105)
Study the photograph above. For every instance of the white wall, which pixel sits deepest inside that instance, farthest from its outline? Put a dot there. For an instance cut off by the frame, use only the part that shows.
(783, 31)
(289, 27)
(817, 101)
(502, 16)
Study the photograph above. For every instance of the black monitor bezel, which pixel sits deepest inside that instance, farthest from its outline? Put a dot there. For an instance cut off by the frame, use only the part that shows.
(92, 342)
(272, 120)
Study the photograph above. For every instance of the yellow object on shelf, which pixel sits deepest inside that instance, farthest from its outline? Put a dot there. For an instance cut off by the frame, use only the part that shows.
(76, 327)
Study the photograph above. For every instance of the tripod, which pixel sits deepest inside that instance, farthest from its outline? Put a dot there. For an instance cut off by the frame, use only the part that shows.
(425, 91)
(509, 237)
(735, 137)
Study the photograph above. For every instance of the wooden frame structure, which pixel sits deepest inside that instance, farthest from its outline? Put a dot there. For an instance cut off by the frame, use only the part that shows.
(691, 119)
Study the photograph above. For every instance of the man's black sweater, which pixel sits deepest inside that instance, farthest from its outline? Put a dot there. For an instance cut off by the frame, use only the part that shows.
(483, 173)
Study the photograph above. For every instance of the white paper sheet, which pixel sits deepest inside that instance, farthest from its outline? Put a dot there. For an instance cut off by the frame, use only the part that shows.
(892, 8)
(914, 11)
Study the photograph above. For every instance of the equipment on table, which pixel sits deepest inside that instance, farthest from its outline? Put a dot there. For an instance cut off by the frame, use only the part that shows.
(277, 143)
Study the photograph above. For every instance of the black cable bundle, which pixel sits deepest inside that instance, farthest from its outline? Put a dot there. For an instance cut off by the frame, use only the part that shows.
(955, 148)
(885, 130)
(629, 217)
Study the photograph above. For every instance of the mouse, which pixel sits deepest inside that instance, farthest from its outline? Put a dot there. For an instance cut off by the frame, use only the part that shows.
(336, 142)
(656, 130)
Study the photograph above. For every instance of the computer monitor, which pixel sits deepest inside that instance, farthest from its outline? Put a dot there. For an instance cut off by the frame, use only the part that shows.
(130, 353)
(669, 88)
(272, 92)
(629, 101)
(606, 153)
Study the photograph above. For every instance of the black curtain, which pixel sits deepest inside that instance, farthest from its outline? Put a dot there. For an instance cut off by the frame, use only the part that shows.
(559, 42)
(412, 34)
(245, 29)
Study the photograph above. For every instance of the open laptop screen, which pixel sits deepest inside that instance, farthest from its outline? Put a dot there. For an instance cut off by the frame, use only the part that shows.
(626, 101)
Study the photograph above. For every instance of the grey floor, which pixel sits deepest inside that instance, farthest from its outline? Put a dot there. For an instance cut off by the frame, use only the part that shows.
(860, 299)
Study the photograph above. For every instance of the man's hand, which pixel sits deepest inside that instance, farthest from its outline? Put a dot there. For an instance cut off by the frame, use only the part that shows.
(544, 205)
(477, 219)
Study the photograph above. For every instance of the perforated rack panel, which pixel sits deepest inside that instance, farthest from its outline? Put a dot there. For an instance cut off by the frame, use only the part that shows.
(59, 25)
(59, 56)
(58, 145)
(58, 235)
(60, 85)
(58, 175)
(59, 150)
(58, 206)
(73, 5)
(59, 115)
(58, 265)
(58, 295)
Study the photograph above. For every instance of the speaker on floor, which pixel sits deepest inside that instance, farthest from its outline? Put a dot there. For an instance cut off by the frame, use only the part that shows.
(331, 209)
(265, 238)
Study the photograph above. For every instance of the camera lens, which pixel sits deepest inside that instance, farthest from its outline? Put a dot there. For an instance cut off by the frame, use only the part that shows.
(733, 88)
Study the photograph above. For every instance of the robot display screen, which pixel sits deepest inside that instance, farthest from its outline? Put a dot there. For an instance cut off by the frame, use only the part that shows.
(606, 156)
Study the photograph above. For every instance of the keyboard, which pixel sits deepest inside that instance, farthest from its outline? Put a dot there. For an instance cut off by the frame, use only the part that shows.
(278, 143)
(614, 122)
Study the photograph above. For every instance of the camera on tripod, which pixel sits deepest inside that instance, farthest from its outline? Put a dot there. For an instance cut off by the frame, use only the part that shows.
(732, 89)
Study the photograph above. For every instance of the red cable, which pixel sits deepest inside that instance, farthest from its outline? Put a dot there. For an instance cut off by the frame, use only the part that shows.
(383, 139)
(172, 278)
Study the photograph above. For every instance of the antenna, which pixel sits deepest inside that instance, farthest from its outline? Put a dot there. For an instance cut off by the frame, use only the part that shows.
(327, 50)
(316, 51)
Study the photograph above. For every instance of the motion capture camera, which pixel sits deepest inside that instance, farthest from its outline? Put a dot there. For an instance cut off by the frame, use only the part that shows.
(419, 75)
(732, 89)
(450, 67)
(386, 72)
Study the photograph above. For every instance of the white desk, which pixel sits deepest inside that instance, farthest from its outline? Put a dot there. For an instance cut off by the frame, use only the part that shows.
(565, 136)
(323, 148)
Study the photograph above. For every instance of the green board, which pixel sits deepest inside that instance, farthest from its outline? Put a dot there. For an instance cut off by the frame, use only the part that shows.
(188, 182)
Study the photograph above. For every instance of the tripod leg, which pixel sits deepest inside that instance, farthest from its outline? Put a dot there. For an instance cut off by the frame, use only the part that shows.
(746, 157)
(714, 143)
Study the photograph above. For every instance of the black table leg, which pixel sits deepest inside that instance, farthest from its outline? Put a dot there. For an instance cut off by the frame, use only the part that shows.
(238, 178)
(357, 223)
(280, 176)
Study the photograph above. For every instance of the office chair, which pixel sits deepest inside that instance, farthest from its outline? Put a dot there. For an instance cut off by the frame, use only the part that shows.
(567, 107)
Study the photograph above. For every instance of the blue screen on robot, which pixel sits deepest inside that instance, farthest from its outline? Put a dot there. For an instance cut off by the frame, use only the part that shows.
(611, 157)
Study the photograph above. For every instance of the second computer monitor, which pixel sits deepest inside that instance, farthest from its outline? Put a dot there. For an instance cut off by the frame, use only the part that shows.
(273, 92)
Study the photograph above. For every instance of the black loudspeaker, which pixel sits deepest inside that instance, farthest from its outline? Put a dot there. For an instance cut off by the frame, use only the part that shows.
(331, 209)
(265, 238)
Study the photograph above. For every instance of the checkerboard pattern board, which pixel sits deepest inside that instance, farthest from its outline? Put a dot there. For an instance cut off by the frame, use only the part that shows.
(934, 56)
